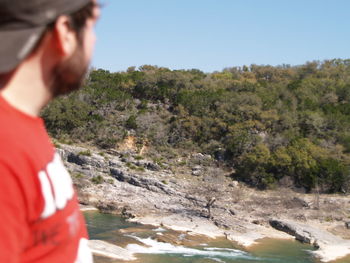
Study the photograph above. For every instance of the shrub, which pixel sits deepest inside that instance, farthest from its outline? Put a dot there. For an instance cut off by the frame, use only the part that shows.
(77, 175)
(85, 153)
(106, 143)
(138, 157)
(333, 175)
(131, 122)
(97, 179)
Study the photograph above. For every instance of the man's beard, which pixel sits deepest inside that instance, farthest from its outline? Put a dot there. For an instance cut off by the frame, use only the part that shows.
(69, 75)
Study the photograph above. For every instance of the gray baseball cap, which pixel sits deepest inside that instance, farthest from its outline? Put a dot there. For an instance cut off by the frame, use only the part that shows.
(22, 23)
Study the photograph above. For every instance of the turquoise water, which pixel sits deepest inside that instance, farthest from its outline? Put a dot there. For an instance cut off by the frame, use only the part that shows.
(103, 225)
(142, 240)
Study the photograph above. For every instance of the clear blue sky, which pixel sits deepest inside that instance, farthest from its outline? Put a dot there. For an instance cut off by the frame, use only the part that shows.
(213, 34)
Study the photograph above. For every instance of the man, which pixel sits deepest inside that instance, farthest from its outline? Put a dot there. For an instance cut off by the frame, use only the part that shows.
(45, 49)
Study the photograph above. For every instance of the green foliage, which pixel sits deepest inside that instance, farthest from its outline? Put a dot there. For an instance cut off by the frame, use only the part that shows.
(97, 179)
(131, 122)
(345, 141)
(85, 153)
(134, 167)
(66, 114)
(138, 157)
(307, 163)
(333, 175)
(265, 122)
(106, 142)
(110, 181)
(253, 167)
(77, 175)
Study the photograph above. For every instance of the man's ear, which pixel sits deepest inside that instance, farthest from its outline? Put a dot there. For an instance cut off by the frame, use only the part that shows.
(64, 36)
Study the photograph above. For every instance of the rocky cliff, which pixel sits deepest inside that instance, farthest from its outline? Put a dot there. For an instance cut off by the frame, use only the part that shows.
(203, 199)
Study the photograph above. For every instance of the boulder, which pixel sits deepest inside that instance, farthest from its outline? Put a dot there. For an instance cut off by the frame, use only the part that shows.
(294, 230)
(196, 173)
(110, 207)
(305, 233)
(127, 213)
(152, 166)
(196, 170)
(76, 159)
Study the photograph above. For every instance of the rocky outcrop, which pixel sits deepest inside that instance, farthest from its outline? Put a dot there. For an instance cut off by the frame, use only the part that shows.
(302, 233)
(118, 182)
(123, 181)
(80, 160)
(330, 247)
(148, 183)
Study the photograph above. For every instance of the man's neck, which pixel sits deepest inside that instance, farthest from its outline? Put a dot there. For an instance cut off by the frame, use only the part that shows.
(26, 89)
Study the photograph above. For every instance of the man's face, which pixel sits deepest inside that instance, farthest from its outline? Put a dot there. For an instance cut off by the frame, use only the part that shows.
(69, 74)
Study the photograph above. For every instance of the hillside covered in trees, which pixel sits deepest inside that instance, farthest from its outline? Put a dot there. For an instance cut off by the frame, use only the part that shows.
(273, 125)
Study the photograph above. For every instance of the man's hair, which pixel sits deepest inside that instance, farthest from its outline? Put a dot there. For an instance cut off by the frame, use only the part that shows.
(4, 78)
(77, 22)
(79, 18)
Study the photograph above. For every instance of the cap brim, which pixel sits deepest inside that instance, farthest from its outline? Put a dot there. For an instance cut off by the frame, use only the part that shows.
(16, 46)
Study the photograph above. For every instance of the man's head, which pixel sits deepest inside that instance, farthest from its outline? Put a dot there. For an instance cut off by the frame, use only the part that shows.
(61, 31)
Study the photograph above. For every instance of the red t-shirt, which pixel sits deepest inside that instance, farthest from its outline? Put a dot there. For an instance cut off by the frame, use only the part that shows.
(40, 219)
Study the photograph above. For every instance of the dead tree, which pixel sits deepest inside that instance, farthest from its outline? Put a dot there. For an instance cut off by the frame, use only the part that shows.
(210, 203)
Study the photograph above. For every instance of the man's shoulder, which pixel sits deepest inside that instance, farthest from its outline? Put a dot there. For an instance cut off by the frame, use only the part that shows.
(20, 129)
(24, 141)
(11, 125)
(12, 133)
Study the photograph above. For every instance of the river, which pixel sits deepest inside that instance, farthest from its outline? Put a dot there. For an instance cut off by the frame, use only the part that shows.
(149, 244)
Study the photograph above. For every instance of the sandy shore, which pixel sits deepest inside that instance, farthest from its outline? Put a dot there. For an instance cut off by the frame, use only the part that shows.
(201, 226)
(85, 208)
(193, 226)
(327, 251)
(332, 252)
